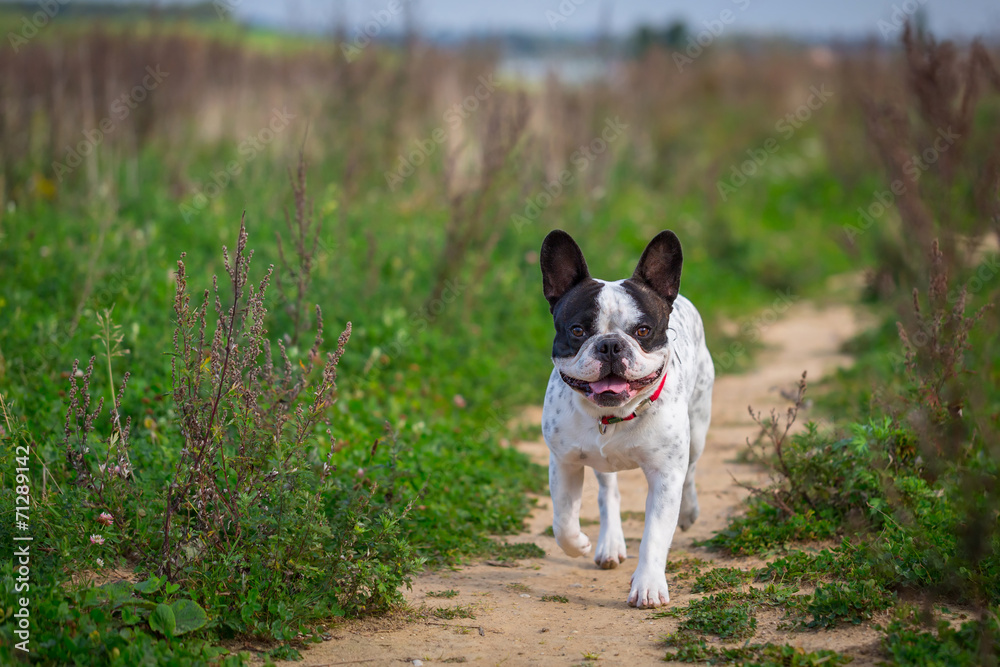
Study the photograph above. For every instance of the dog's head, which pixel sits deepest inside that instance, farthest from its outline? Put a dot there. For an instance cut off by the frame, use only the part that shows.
(611, 337)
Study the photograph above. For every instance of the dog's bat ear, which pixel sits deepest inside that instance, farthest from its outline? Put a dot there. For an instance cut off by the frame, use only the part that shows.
(563, 266)
(660, 266)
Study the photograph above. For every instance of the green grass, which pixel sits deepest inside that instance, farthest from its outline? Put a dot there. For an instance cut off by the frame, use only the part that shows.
(909, 644)
(450, 593)
(722, 578)
(450, 613)
(689, 648)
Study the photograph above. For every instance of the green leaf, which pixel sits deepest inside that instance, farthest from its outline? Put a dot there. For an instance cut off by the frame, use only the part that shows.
(118, 592)
(138, 606)
(129, 617)
(162, 620)
(172, 588)
(149, 586)
(188, 615)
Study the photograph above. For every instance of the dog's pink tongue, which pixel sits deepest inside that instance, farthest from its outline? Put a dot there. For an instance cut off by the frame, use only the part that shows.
(610, 383)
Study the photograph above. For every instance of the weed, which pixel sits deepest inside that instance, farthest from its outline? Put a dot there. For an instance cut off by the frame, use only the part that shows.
(935, 362)
(284, 652)
(802, 567)
(685, 568)
(972, 644)
(721, 578)
(764, 528)
(689, 648)
(845, 602)
(555, 598)
(304, 233)
(458, 611)
(450, 593)
(518, 551)
(728, 615)
(518, 587)
(730, 619)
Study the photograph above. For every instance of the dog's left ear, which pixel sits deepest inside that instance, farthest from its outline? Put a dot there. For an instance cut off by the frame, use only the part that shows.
(660, 266)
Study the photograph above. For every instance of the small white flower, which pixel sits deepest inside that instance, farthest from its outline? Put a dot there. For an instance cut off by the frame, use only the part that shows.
(100, 562)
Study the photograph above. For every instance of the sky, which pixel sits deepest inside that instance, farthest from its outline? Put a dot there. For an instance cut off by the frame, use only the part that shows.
(797, 18)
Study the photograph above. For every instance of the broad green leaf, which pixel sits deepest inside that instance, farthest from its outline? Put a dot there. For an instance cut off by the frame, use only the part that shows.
(162, 620)
(118, 592)
(149, 586)
(188, 615)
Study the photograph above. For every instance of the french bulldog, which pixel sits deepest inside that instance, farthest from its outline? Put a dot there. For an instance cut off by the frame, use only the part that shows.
(631, 388)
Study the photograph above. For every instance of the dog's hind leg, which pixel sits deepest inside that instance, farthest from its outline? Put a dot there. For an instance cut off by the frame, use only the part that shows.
(611, 542)
(700, 415)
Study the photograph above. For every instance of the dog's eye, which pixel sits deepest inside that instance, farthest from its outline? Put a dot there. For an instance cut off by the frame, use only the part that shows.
(577, 331)
(642, 332)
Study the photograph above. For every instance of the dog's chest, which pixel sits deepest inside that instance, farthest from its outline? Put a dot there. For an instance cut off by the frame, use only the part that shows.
(610, 452)
(649, 439)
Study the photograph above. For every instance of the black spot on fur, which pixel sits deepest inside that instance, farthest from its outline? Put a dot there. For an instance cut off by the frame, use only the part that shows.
(655, 314)
(577, 308)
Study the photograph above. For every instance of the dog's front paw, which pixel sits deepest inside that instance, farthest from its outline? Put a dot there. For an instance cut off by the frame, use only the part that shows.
(648, 590)
(573, 545)
(610, 551)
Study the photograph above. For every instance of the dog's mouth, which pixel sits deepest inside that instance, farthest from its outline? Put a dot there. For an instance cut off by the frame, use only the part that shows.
(611, 389)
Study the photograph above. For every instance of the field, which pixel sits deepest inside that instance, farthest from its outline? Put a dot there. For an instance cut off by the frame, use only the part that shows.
(271, 314)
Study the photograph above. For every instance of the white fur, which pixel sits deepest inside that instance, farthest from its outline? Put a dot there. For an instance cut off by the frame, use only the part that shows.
(665, 441)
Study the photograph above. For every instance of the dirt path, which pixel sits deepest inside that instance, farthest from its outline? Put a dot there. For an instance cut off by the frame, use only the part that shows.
(514, 626)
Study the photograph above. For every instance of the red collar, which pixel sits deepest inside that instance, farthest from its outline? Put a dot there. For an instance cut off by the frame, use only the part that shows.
(609, 419)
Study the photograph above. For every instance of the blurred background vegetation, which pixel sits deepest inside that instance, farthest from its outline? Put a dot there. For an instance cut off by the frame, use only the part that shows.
(404, 184)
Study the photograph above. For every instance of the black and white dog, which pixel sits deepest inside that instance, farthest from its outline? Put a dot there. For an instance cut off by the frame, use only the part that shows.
(631, 388)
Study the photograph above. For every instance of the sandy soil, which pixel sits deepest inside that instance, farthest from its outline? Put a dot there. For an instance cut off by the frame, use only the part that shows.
(514, 626)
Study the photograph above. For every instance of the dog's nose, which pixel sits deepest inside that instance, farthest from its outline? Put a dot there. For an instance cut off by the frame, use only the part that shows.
(609, 349)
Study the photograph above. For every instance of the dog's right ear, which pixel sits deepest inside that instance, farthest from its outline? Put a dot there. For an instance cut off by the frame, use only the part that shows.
(563, 266)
